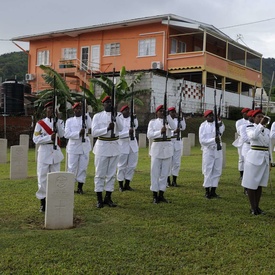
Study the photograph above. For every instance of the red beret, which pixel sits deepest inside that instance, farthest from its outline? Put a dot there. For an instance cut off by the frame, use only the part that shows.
(245, 110)
(172, 109)
(207, 112)
(105, 98)
(76, 104)
(123, 108)
(50, 103)
(159, 107)
(258, 111)
(250, 113)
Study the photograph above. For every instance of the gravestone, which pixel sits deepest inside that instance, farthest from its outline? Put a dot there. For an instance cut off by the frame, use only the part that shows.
(186, 151)
(24, 140)
(3, 150)
(142, 138)
(18, 162)
(59, 200)
(191, 137)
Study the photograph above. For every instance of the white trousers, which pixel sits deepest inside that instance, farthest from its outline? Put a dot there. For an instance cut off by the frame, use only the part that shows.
(160, 169)
(176, 161)
(241, 159)
(126, 166)
(42, 171)
(211, 167)
(78, 164)
(105, 173)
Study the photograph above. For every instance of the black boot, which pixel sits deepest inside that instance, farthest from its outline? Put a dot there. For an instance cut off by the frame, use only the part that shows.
(168, 182)
(108, 200)
(174, 182)
(155, 197)
(213, 193)
(79, 188)
(161, 197)
(127, 186)
(42, 205)
(99, 200)
(121, 189)
(207, 193)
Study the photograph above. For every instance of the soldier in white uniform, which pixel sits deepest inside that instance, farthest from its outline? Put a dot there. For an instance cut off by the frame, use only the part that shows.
(257, 162)
(161, 153)
(106, 151)
(79, 145)
(49, 153)
(128, 158)
(211, 157)
(238, 143)
(178, 146)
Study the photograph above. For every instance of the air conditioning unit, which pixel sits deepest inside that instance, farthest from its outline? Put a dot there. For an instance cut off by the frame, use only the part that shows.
(156, 65)
(29, 77)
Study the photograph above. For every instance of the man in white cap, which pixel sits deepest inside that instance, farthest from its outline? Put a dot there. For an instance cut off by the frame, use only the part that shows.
(211, 157)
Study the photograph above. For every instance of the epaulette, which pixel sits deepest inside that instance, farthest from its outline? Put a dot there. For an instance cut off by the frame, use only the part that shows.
(250, 125)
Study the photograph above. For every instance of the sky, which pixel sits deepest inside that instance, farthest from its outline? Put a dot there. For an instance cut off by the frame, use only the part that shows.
(250, 22)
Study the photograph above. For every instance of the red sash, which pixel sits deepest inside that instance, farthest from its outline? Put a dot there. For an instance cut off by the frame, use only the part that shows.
(48, 130)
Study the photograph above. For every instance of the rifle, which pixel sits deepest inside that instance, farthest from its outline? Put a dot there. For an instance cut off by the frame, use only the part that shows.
(216, 121)
(179, 113)
(83, 116)
(113, 98)
(164, 136)
(132, 124)
(55, 118)
(220, 106)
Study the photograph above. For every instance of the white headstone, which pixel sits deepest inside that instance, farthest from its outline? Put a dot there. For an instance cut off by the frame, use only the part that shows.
(18, 162)
(223, 155)
(59, 200)
(186, 151)
(191, 136)
(24, 140)
(142, 140)
(3, 150)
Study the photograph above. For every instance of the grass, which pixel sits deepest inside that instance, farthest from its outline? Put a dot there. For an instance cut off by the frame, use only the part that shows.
(191, 235)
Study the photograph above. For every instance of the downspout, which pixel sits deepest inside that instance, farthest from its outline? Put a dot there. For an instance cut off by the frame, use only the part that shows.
(167, 43)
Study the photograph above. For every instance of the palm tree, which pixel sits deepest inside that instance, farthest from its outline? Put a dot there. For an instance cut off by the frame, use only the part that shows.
(59, 86)
(123, 89)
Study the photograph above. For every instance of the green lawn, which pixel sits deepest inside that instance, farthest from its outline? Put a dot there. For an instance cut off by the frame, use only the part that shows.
(191, 235)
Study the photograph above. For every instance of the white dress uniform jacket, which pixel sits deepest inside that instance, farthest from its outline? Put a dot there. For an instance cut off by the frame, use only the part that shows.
(211, 158)
(256, 168)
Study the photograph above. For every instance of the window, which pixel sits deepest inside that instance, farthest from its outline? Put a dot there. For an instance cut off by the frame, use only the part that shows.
(147, 47)
(69, 53)
(178, 46)
(112, 49)
(43, 58)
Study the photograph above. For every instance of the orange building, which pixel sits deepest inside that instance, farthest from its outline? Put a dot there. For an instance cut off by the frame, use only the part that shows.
(188, 49)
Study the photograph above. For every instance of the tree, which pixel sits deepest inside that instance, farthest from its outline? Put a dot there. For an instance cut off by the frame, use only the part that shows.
(123, 89)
